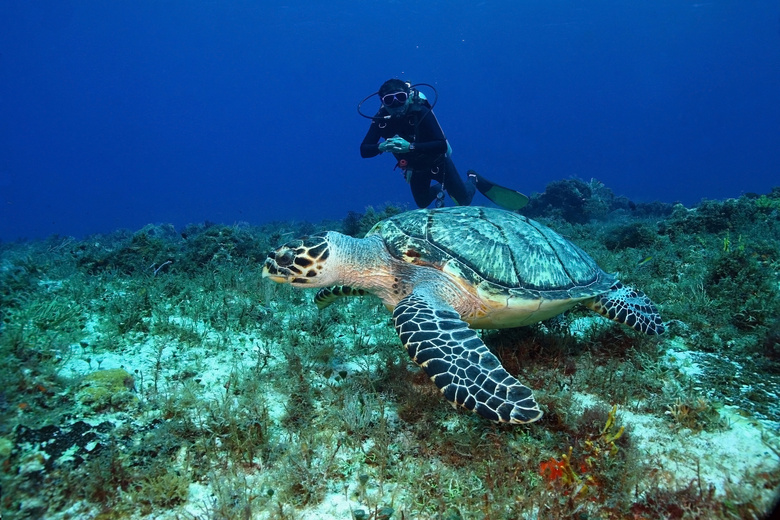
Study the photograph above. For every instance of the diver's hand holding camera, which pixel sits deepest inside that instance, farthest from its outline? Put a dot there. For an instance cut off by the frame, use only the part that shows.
(395, 145)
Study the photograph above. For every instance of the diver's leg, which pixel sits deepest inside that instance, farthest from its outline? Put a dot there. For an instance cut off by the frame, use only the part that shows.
(507, 198)
(460, 192)
(422, 191)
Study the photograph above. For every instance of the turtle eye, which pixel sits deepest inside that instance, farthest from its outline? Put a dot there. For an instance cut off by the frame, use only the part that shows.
(285, 259)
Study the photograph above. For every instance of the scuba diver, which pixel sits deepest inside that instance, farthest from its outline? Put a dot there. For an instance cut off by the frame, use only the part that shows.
(410, 131)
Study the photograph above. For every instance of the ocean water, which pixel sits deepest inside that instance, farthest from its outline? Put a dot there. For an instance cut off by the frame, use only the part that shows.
(118, 115)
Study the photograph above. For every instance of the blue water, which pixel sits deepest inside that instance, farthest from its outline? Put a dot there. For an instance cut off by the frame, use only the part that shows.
(118, 114)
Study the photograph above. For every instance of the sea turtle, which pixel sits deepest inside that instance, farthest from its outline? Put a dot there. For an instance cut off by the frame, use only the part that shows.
(445, 272)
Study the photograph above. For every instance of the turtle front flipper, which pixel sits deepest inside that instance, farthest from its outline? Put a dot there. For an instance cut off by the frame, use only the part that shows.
(457, 360)
(328, 295)
(629, 306)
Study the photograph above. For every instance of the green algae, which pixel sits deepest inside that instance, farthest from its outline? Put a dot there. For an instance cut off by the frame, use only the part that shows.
(107, 389)
(212, 395)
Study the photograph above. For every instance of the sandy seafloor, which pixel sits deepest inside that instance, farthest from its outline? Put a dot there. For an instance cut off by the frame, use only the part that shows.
(240, 399)
(723, 459)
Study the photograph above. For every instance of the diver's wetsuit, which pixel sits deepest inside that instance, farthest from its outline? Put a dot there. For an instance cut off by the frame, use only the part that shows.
(428, 161)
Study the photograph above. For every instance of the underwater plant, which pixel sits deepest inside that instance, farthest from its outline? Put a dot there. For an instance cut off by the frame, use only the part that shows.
(192, 389)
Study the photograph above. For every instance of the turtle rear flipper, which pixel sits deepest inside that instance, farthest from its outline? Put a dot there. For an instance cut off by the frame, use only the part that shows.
(628, 306)
(458, 362)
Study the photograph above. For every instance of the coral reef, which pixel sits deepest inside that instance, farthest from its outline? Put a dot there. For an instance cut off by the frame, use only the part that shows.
(579, 202)
(152, 374)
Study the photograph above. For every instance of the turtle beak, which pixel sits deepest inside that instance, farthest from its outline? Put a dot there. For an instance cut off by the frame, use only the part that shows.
(274, 277)
(272, 270)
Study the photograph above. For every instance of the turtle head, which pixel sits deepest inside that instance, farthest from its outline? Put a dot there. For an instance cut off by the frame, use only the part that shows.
(301, 262)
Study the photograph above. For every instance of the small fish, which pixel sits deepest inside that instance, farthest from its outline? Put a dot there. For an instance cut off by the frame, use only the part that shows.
(644, 260)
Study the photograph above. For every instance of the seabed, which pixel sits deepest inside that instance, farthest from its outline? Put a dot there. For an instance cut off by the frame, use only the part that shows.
(154, 375)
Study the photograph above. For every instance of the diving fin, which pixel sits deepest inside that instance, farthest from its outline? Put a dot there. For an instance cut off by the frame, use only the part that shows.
(505, 197)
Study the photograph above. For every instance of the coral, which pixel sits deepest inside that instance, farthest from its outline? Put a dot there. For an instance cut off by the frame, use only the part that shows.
(150, 246)
(576, 201)
(164, 489)
(358, 224)
(654, 209)
(567, 198)
(584, 473)
(107, 389)
(769, 202)
(216, 244)
(635, 235)
(696, 415)
(561, 473)
(743, 283)
(710, 216)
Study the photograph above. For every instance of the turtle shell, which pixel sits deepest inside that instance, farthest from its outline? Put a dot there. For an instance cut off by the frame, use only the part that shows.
(496, 251)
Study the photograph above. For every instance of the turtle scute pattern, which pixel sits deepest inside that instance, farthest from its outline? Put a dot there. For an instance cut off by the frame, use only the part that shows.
(496, 246)
(460, 364)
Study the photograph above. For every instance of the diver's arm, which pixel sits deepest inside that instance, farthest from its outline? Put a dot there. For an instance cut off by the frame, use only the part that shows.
(370, 145)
